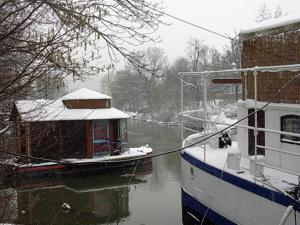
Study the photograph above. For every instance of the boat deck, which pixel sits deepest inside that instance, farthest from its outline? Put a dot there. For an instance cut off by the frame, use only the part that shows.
(217, 158)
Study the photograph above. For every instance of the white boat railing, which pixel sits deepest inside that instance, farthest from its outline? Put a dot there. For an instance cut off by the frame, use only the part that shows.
(278, 150)
(247, 127)
(192, 130)
(279, 169)
(191, 142)
(254, 71)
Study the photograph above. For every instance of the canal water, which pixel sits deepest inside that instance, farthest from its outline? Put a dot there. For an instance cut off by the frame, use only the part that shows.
(151, 197)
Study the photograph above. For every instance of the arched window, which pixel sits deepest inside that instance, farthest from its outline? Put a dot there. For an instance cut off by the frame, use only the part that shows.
(290, 123)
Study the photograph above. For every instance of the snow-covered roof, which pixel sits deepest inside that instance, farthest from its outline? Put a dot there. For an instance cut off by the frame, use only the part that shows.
(55, 110)
(278, 25)
(85, 93)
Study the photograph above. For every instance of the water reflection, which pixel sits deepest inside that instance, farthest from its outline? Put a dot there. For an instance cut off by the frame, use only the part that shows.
(93, 200)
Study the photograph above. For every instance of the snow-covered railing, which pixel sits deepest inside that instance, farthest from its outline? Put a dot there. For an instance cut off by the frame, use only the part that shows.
(246, 127)
(255, 70)
(278, 150)
(251, 128)
(211, 121)
(279, 169)
(269, 130)
(191, 142)
(271, 69)
(192, 111)
(192, 130)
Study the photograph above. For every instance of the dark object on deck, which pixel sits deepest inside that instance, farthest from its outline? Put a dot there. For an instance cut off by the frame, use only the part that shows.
(224, 140)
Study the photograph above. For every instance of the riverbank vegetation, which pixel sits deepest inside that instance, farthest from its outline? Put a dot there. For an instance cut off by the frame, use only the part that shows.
(154, 93)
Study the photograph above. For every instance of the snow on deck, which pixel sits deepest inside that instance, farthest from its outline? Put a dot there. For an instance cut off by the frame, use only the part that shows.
(130, 154)
(217, 158)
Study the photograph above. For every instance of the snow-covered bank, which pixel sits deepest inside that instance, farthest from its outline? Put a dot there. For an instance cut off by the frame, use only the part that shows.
(218, 112)
(147, 118)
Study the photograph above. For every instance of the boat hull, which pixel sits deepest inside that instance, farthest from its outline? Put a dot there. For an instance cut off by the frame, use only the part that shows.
(231, 200)
(37, 171)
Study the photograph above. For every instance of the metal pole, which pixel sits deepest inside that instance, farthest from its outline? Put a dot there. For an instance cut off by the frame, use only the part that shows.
(205, 113)
(108, 82)
(255, 120)
(246, 91)
(181, 100)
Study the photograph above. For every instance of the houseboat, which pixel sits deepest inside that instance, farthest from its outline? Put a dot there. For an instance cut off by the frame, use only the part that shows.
(75, 133)
(254, 176)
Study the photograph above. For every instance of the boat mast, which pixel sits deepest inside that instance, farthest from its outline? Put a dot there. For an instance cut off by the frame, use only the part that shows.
(205, 112)
(255, 120)
(181, 96)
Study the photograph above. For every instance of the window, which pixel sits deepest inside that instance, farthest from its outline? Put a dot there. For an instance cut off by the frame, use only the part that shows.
(101, 131)
(290, 123)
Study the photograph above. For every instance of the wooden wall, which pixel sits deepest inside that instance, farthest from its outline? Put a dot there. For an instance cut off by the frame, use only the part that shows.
(89, 139)
(87, 104)
(63, 139)
(276, 49)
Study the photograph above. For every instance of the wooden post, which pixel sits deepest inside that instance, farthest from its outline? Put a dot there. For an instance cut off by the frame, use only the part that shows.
(28, 139)
(61, 140)
(89, 139)
(18, 137)
(112, 133)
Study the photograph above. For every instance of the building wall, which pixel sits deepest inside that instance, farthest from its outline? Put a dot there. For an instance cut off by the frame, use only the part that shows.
(281, 160)
(277, 49)
(55, 140)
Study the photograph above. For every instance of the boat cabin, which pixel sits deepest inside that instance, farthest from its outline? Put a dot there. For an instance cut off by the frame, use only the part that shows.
(81, 124)
(271, 44)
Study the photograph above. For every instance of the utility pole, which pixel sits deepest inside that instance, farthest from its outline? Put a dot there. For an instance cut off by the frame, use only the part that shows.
(108, 80)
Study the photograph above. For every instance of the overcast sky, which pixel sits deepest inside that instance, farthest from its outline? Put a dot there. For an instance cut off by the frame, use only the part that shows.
(222, 16)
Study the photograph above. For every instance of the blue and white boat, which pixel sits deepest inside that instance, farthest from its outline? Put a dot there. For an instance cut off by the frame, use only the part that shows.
(254, 178)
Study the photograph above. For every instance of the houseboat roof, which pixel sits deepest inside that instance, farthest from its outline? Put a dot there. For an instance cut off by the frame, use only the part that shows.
(271, 26)
(55, 110)
(84, 94)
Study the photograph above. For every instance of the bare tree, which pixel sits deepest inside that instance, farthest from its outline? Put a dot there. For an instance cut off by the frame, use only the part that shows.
(172, 83)
(278, 12)
(127, 90)
(232, 53)
(197, 55)
(58, 38)
(154, 68)
(263, 13)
